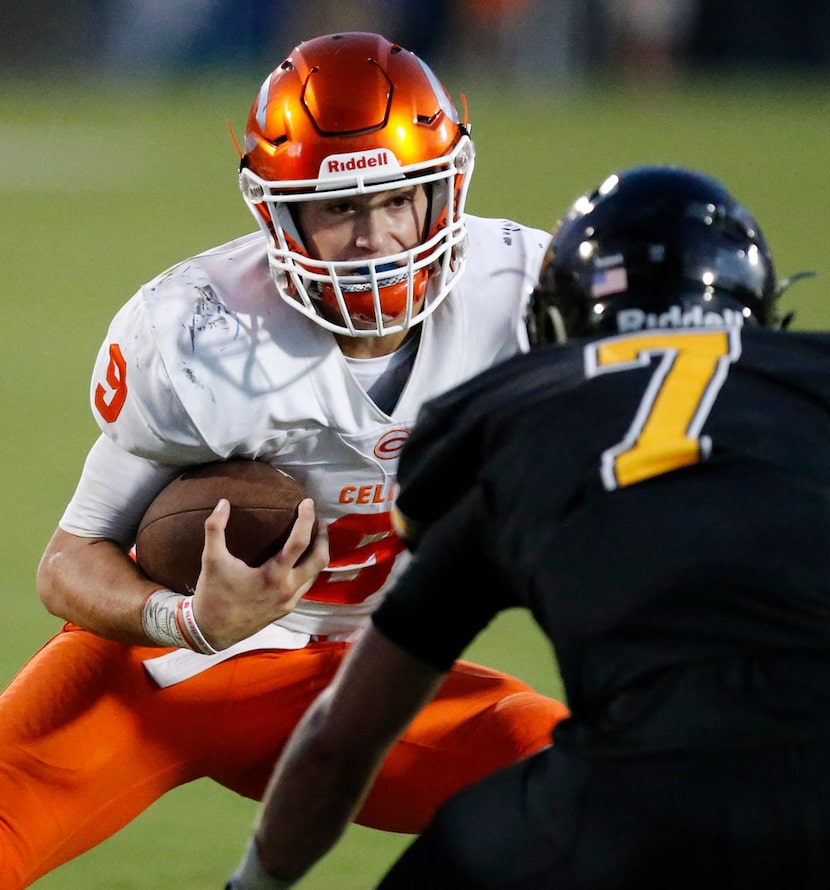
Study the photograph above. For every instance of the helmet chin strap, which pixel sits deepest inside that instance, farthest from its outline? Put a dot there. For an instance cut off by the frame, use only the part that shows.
(548, 327)
(558, 323)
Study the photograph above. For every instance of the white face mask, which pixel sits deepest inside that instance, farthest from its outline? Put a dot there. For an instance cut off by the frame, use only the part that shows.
(384, 295)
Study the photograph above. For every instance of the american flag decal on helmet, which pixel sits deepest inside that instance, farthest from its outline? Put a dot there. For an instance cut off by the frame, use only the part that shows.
(609, 281)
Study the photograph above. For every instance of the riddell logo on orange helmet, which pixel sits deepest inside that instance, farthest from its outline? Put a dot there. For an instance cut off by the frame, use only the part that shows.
(380, 159)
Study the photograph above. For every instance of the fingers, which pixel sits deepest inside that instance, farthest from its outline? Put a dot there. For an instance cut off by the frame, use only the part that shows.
(303, 531)
(305, 544)
(235, 600)
(319, 553)
(215, 526)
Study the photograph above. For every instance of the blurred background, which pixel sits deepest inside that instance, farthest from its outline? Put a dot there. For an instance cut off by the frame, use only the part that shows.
(520, 40)
(115, 162)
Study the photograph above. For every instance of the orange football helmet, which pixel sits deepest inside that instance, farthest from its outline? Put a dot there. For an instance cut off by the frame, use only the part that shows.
(353, 114)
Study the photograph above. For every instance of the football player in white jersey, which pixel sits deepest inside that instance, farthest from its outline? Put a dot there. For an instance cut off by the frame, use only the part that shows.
(310, 345)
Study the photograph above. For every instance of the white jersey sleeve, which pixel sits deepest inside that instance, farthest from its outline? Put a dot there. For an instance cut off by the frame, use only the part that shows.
(133, 399)
(114, 490)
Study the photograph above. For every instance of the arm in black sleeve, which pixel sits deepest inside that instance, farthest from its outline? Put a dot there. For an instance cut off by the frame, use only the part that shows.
(450, 591)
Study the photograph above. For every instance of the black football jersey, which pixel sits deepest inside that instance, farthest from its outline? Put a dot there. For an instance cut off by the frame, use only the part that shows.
(660, 501)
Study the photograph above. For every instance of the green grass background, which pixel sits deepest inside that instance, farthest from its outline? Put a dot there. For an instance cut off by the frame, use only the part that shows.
(102, 187)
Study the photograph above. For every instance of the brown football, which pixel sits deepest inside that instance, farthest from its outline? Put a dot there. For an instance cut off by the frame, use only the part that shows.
(171, 535)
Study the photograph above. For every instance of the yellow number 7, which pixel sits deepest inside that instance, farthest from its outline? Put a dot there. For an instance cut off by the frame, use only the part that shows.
(689, 370)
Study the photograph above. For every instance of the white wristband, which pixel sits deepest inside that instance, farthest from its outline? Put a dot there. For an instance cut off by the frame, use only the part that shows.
(191, 630)
(250, 875)
(168, 619)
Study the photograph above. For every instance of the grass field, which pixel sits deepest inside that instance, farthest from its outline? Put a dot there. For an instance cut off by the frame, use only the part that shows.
(100, 188)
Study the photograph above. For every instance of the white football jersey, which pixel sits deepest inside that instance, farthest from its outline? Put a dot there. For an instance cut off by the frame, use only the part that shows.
(206, 362)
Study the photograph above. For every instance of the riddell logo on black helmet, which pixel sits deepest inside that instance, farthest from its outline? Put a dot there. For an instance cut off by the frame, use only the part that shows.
(676, 317)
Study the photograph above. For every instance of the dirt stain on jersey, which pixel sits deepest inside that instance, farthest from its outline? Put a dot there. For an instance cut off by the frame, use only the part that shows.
(507, 230)
(209, 313)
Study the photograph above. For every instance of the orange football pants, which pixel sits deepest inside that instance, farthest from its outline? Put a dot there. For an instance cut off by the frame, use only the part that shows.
(88, 741)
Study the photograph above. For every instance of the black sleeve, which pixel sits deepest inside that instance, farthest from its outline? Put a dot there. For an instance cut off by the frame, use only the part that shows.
(450, 591)
(450, 445)
(439, 465)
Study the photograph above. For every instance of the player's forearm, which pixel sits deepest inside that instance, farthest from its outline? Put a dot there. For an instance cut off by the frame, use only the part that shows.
(312, 796)
(94, 584)
(332, 758)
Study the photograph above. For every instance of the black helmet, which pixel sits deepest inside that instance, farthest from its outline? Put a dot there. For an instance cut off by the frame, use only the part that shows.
(653, 247)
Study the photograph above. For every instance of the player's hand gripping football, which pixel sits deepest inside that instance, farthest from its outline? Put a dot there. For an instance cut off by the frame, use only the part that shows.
(233, 600)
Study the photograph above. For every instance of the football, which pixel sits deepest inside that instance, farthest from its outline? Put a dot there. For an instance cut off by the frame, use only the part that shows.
(171, 534)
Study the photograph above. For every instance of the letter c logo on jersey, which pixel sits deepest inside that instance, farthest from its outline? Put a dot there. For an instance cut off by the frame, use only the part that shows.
(389, 445)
